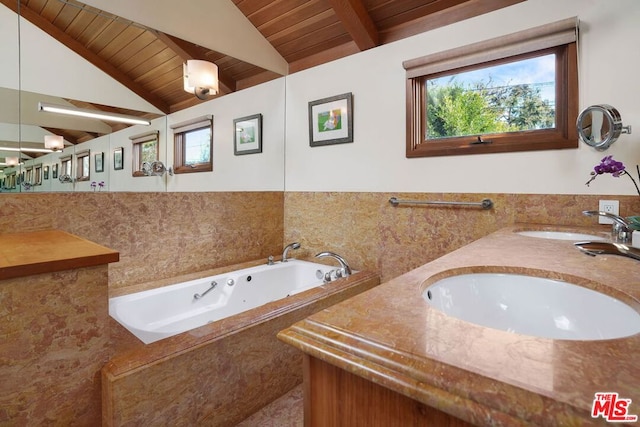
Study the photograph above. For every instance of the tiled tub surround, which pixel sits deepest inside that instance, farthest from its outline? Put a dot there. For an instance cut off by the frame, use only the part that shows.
(54, 333)
(169, 234)
(376, 236)
(158, 234)
(220, 373)
(391, 337)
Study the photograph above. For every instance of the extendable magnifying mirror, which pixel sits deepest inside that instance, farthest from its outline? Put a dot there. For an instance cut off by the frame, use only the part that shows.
(599, 126)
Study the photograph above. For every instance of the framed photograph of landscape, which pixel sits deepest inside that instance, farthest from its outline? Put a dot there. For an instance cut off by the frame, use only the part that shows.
(331, 120)
(247, 137)
(99, 162)
(117, 159)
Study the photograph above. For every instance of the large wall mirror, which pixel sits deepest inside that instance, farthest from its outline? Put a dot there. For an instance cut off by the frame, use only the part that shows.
(51, 57)
(9, 101)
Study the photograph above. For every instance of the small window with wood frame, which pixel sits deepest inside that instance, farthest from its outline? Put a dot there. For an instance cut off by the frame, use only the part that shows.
(65, 165)
(193, 145)
(11, 181)
(28, 179)
(146, 149)
(37, 178)
(513, 93)
(83, 170)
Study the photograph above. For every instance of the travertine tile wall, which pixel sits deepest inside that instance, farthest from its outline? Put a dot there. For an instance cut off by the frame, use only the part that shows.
(55, 340)
(158, 235)
(373, 235)
(168, 234)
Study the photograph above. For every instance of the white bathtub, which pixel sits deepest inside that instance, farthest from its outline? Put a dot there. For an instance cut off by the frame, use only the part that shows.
(163, 312)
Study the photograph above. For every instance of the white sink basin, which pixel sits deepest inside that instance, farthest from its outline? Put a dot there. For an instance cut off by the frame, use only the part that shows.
(561, 235)
(534, 306)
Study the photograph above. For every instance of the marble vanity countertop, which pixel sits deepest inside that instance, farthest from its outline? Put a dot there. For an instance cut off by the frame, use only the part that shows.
(36, 252)
(390, 336)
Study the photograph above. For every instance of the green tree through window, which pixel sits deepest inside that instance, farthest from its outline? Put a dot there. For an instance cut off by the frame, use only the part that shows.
(460, 105)
(517, 92)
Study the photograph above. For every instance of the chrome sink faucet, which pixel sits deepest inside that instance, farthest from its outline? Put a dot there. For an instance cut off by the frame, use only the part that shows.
(621, 231)
(345, 270)
(600, 248)
(287, 248)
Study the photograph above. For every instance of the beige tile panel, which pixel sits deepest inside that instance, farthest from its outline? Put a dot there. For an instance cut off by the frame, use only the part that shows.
(373, 235)
(54, 341)
(158, 235)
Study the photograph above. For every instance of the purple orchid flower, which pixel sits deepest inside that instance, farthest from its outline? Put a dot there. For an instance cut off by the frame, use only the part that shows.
(615, 168)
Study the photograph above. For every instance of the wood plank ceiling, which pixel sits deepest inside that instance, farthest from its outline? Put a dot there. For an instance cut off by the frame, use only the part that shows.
(306, 33)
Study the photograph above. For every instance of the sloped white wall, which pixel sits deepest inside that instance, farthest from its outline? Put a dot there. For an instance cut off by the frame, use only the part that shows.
(9, 72)
(375, 161)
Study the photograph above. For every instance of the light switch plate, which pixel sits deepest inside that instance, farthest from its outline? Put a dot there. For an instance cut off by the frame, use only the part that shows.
(609, 206)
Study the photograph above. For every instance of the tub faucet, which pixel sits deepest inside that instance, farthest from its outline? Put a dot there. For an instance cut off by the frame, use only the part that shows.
(287, 248)
(345, 270)
(621, 231)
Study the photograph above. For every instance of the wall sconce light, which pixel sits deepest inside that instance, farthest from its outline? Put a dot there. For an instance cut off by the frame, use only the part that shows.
(53, 142)
(92, 114)
(200, 78)
(12, 161)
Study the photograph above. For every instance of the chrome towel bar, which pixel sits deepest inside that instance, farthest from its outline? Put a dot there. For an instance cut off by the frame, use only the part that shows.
(484, 204)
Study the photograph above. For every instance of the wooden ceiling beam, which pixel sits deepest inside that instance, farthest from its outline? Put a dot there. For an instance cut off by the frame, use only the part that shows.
(93, 58)
(186, 51)
(355, 18)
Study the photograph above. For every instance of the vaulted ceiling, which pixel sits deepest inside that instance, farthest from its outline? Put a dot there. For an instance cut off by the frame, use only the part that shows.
(117, 37)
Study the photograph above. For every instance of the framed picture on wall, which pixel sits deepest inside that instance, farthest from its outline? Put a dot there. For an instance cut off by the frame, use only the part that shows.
(54, 171)
(117, 159)
(99, 162)
(248, 135)
(331, 120)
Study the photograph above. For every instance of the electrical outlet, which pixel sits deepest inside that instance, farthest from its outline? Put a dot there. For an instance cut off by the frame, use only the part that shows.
(609, 206)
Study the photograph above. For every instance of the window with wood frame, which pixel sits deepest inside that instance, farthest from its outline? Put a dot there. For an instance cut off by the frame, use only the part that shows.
(146, 148)
(65, 165)
(513, 93)
(193, 145)
(83, 170)
(37, 178)
(28, 179)
(10, 182)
